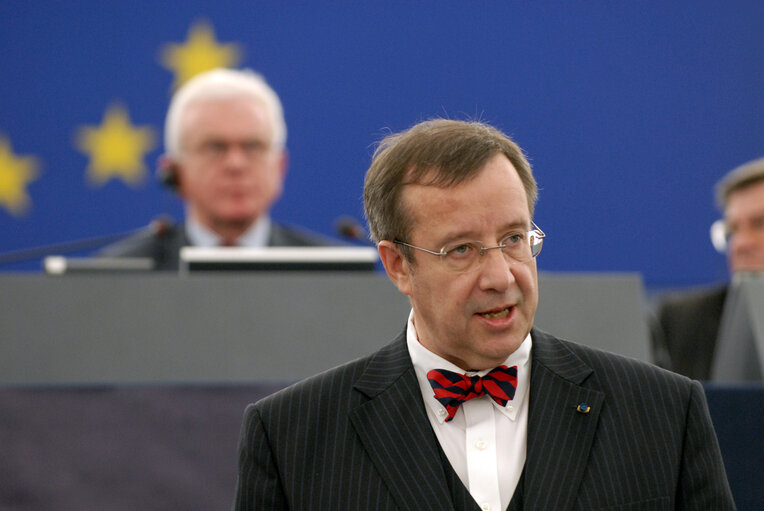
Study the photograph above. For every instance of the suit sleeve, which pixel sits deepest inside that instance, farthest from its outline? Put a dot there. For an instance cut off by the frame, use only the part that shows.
(258, 486)
(703, 481)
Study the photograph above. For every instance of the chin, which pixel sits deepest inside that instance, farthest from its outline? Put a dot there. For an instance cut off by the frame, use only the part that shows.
(498, 353)
(238, 215)
(509, 346)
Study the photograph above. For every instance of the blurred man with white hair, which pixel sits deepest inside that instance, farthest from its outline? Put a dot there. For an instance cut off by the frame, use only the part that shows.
(225, 156)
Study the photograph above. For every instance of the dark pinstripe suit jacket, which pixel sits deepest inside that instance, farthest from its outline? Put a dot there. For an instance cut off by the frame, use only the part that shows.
(357, 438)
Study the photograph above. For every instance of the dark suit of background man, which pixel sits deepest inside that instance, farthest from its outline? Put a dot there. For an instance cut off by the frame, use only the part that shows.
(687, 326)
(450, 205)
(225, 155)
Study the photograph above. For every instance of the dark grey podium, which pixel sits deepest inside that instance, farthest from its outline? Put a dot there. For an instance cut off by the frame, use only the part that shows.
(238, 327)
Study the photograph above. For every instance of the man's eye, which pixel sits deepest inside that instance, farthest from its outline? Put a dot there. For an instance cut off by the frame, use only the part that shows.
(461, 250)
(254, 147)
(214, 147)
(513, 239)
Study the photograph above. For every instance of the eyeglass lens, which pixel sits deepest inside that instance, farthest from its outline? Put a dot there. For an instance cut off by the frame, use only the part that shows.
(464, 256)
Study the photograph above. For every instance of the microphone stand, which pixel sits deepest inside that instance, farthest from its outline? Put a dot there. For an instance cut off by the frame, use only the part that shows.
(156, 227)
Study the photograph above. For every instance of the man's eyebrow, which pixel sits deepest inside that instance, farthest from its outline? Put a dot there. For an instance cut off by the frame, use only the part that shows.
(468, 235)
(520, 224)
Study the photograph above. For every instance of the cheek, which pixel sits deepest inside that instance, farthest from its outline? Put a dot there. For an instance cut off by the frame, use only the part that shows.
(527, 280)
(195, 178)
(454, 297)
(433, 291)
(276, 184)
(268, 178)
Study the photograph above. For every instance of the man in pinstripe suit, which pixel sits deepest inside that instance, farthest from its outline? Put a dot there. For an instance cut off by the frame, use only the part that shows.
(450, 205)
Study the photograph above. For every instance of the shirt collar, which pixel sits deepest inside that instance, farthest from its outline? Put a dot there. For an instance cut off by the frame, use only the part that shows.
(256, 236)
(425, 360)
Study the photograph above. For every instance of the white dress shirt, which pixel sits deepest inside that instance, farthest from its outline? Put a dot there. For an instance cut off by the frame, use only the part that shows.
(484, 442)
(256, 236)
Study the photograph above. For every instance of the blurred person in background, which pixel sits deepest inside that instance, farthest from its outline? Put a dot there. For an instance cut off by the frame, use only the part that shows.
(687, 323)
(225, 156)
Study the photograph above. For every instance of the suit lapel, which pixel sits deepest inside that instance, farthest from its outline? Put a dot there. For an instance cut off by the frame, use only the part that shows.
(393, 427)
(559, 434)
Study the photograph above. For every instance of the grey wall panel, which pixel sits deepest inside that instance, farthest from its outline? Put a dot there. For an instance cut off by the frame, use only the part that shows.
(246, 327)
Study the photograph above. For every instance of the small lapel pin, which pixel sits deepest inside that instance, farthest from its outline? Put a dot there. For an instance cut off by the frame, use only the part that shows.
(583, 408)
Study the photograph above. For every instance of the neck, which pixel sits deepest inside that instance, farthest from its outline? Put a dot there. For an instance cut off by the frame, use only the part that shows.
(229, 230)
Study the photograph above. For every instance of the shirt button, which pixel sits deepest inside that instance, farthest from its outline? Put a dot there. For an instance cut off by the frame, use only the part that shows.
(510, 408)
(442, 412)
(486, 507)
(480, 444)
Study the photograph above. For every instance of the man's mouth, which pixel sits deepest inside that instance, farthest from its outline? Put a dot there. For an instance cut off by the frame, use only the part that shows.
(502, 313)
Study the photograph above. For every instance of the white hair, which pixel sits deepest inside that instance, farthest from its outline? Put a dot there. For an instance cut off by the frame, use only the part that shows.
(223, 84)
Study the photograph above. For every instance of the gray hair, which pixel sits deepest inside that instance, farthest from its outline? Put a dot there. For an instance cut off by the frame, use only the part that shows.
(741, 177)
(223, 84)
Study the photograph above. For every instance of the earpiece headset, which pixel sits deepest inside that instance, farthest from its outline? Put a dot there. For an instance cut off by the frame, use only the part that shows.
(167, 175)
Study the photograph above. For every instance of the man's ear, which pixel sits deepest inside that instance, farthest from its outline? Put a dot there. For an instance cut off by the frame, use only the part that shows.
(284, 163)
(281, 166)
(396, 266)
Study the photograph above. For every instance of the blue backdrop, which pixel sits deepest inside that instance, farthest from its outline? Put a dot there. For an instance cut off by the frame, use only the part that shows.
(629, 112)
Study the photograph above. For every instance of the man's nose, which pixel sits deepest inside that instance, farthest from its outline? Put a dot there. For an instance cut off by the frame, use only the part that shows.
(236, 156)
(495, 271)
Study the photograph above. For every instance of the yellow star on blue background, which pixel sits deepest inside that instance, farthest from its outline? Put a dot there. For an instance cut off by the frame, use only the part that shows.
(201, 52)
(15, 174)
(116, 148)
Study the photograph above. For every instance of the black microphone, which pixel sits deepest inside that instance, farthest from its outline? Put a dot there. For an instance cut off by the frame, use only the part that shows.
(160, 226)
(348, 227)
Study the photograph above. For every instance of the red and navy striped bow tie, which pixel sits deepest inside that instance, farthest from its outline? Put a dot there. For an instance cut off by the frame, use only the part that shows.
(452, 389)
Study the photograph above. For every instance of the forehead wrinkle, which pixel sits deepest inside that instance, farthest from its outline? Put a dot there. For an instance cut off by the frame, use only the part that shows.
(455, 232)
(463, 211)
